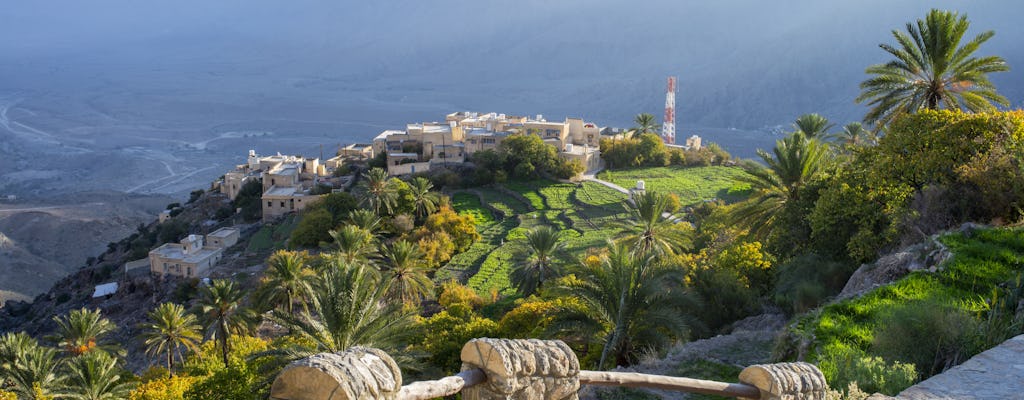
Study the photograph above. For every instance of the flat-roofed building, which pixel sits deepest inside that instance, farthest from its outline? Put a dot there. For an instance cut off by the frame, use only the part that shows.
(189, 258)
(222, 238)
(424, 145)
(278, 201)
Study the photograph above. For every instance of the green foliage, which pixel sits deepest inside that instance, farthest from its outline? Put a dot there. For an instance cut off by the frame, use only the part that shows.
(692, 185)
(923, 318)
(446, 332)
(805, 281)
(845, 365)
(930, 335)
(313, 229)
(172, 230)
(249, 199)
(240, 379)
(170, 331)
(195, 195)
(931, 70)
(84, 331)
(629, 304)
(96, 376)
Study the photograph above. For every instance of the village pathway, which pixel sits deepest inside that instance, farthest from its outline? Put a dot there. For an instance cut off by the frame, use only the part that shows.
(997, 373)
(592, 176)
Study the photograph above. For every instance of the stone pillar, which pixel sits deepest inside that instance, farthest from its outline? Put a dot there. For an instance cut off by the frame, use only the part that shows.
(786, 381)
(522, 369)
(356, 373)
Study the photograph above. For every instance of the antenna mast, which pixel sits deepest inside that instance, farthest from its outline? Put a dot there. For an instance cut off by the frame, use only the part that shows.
(668, 127)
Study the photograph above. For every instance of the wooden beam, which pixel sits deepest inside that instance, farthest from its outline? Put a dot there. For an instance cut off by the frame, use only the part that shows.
(635, 380)
(448, 386)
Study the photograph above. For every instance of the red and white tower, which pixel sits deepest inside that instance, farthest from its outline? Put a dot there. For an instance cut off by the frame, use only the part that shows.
(668, 127)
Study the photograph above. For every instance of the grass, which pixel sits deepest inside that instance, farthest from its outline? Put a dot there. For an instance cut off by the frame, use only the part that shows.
(981, 261)
(272, 236)
(508, 205)
(469, 204)
(692, 185)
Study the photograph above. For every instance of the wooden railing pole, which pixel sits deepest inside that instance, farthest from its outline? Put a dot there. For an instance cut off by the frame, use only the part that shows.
(631, 379)
(442, 387)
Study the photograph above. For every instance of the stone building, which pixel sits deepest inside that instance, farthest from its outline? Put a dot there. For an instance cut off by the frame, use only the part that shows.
(193, 256)
(425, 145)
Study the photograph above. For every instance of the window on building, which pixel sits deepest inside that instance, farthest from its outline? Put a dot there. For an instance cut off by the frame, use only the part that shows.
(488, 141)
(282, 204)
(189, 273)
(271, 182)
(270, 204)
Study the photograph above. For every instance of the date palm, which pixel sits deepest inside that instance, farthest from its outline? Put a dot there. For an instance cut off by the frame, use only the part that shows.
(813, 126)
(365, 219)
(287, 280)
(653, 229)
(353, 244)
(220, 306)
(171, 331)
(28, 369)
(854, 134)
(794, 162)
(631, 303)
(405, 268)
(932, 70)
(424, 200)
(544, 244)
(347, 309)
(95, 376)
(378, 192)
(645, 123)
(83, 330)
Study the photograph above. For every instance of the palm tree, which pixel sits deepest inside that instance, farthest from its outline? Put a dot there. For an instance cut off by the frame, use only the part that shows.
(796, 161)
(932, 70)
(287, 279)
(653, 228)
(220, 305)
(854, 134)
(406, 270)
(813, 126)
(171, 330)
(347, 309)
(95, 376)
(83, 330)
(424, 200)
(544, 244)
(353, 244)
(365, 219)
(28, 369)
(645, 123)
(378, 191)
(630, 302)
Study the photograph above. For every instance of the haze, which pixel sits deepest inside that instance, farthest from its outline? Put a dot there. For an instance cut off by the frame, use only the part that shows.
(160, 97)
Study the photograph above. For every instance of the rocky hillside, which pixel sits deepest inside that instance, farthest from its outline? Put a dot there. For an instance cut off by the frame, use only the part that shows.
(138, 292)
(41, 243)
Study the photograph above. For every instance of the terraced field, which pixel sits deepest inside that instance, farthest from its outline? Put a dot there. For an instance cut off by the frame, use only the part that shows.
(692, 185)
(588, 214)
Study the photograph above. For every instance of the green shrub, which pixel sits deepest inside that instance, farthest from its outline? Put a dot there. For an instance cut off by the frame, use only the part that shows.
(195, 195)
(806, 281)
(843, 365)
(313, 228)
(932, 336)
(249, 200)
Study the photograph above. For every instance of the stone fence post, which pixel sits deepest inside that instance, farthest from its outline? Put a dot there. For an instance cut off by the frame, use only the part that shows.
(356, 373)
(522, 369)
(786, 381)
